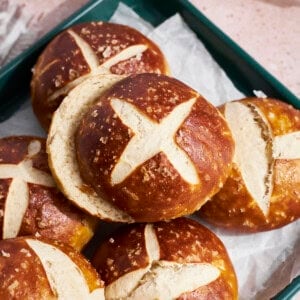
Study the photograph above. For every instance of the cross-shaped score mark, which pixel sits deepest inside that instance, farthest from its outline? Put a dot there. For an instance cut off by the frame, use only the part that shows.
(93, 63)
(17, 199)
(151, 138)
(65, 278)
(153, 281)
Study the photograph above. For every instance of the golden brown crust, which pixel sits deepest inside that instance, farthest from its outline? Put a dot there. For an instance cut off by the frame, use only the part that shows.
(122, 253)
(23, 276)
(155, 190)
(63, 61)
(102, 35)
(180, 241)
(62, 154)
(49, 214)
(15, 266)
(219, 289)
(282, 117)
(197, 244)
(234, 208)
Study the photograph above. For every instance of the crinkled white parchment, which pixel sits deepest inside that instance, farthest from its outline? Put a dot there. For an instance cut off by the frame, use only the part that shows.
(188, 59)
(264, 262)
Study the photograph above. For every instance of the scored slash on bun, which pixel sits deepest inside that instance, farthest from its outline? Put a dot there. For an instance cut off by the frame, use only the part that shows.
(263, 189)
(30, 203)
(41, 269)
(179, 259)
(85, 50)
(148, 148)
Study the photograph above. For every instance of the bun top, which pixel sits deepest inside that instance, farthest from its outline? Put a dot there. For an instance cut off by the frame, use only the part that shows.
(262, 191)
(180, 259)
(30, 203)
(154, 147)
(40, 269)
(89, 49)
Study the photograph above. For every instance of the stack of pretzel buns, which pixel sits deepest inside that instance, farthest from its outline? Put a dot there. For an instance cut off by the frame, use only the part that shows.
(128, 143)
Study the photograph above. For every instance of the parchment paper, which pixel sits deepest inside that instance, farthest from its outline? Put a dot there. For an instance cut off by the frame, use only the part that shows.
(264, 262)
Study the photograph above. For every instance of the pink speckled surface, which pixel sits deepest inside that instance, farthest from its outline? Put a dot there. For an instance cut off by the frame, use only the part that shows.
(269, 30)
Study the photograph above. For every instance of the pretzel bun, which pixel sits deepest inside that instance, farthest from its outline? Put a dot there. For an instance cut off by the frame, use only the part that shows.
(39, 269)
(148, 148)
(263, 189)
(89, 49)
(30, 203)
(180, 259)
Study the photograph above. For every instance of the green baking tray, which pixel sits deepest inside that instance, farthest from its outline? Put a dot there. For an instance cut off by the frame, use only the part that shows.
(244, 71)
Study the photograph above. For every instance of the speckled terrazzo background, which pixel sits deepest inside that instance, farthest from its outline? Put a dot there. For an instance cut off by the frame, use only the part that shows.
(269, 30)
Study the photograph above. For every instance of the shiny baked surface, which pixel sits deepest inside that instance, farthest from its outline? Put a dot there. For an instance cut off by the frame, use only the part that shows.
(179, 259)
(30, 202)
(153, 147)
(237, 206)
(89, 49)
(43, 269)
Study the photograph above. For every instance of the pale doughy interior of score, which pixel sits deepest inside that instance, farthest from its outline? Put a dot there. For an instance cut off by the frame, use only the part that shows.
(252, 155)
(160, 279)
(287, 146)
(61, 147)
